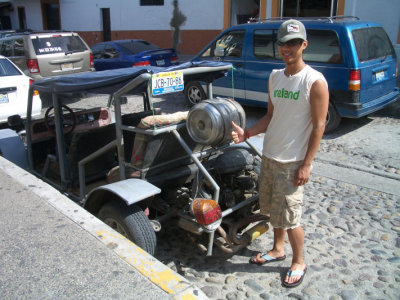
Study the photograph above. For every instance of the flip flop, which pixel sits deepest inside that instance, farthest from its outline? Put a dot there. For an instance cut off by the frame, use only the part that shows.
(291, 273)
(268, 259)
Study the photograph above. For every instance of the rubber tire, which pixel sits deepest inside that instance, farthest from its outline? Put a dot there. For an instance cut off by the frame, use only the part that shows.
(194, 93)
(134, 222)
(332, 119)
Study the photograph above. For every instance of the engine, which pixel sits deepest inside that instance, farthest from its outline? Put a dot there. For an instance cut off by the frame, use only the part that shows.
(236, 172)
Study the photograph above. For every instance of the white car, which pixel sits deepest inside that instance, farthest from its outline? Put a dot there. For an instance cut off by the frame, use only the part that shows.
(14, 88)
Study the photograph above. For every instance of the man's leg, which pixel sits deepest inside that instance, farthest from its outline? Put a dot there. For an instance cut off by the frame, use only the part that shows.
(296, 239)
(279, 243)
(278, 247)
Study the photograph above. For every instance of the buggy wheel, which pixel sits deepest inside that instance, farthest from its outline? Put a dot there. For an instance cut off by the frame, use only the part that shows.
(332, 119)
(131, 222)
(194, 93)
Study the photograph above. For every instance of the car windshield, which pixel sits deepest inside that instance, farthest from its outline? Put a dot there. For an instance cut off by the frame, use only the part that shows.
(372, 43)
(57, 44)
(8, 69)
(135, 47)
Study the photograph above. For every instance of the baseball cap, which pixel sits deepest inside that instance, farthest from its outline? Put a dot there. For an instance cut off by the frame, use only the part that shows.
(291, 29)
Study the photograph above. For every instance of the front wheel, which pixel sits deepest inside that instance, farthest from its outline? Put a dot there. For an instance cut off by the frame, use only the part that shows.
(332, 119)
(194, 93)
(131, 222)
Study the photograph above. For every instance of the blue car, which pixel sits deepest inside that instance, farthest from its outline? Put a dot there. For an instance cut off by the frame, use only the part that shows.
(356, 57)
(129, 53)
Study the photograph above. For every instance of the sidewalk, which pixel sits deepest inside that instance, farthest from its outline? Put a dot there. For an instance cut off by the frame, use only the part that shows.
(51, 248)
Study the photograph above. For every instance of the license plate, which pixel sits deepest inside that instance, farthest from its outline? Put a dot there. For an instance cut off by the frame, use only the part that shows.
(160, 62)
(67, 67)
(379, 75)
(3, 98)
(167, 82)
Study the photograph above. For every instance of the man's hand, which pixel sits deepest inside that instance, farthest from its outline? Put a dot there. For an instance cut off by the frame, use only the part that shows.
(302, 175)
(237, 133)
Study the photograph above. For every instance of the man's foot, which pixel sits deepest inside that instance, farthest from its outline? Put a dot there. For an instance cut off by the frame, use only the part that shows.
(295, 275)
(264, 258)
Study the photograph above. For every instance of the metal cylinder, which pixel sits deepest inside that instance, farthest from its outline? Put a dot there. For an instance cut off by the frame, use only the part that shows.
(209, 122)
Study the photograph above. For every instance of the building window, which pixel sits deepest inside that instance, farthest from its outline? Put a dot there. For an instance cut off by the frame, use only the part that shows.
(151, 2)
(309, 8)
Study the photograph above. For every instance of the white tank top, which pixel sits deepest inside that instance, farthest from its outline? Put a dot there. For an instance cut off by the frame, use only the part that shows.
(287, 135)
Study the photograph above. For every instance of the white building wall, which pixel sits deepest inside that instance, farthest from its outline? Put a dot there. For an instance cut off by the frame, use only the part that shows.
(33, 14)
(385, 12)
(129, 15)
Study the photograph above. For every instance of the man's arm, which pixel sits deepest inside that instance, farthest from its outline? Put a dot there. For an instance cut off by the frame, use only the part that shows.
(319, 98)
(238, 133)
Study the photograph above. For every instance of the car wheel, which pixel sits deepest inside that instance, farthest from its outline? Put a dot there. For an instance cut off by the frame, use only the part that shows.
(131, 222)
(194, 93)
(332, 119)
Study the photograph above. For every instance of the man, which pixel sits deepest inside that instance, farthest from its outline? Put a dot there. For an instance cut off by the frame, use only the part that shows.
(293, 127)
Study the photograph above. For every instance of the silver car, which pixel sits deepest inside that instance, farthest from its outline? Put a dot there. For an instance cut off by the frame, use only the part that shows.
(45, 54)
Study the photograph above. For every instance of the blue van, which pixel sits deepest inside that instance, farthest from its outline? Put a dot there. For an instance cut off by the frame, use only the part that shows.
(356, 57)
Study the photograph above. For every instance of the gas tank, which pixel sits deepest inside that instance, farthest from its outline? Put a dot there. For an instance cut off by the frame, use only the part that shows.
(209, 122)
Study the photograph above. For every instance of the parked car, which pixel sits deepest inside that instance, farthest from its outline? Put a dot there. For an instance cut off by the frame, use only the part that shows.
(14, 88)
(356, 57)
(137, 168)
(44, 54)
(129, 53)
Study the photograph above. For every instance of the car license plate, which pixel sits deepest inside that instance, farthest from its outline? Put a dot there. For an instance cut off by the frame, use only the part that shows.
(3, 98)
(67, 67)
(167, 82)
(160, 62)
(379, 75)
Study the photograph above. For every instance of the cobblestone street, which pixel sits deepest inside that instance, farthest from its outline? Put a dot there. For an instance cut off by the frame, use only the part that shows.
(352, 243)
(351, 249)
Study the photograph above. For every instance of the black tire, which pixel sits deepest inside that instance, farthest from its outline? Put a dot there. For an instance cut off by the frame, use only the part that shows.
(332, 119)
(131, 222)
(194, 93)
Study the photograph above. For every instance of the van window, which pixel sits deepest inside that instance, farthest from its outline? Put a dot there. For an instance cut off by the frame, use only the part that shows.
(372, 43)
(228, 45)
(323, 47)
(57, 44)
(264, 44)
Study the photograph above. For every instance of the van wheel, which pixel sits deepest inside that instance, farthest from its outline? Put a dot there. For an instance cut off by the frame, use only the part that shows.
(131, 222)
(194, 93)
(332, 119)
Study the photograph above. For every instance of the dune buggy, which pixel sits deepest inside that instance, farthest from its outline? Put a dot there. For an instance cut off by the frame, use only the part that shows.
(137, 169)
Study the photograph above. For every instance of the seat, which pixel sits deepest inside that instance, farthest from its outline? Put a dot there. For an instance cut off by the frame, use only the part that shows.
(129, 136)
(155, 151)
(87, 142)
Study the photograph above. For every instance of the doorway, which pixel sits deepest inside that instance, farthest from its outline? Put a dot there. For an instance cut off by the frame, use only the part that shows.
(243, 10)
(105, 14)
(51, 14)
(21, 17)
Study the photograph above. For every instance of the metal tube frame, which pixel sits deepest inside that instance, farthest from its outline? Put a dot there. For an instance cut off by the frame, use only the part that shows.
(87, 159)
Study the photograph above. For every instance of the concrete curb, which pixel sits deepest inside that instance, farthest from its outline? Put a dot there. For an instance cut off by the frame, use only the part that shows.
(172, 283)
(359, 168)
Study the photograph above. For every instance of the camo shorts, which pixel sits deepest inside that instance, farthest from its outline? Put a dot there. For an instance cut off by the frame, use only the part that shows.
(278, 196)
